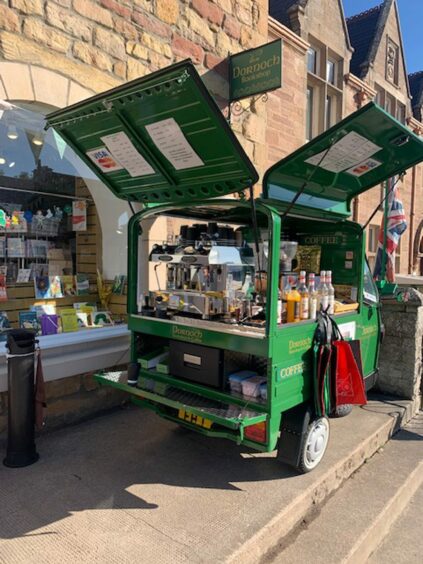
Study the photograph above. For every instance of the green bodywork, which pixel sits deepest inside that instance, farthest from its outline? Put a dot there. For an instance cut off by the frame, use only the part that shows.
(287, 347)
(322, 210)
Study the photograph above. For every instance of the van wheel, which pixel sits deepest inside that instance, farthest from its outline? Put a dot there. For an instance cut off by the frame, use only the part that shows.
(341, 411)
(314, 445)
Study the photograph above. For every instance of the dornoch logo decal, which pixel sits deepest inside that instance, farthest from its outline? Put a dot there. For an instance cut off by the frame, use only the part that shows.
(186, 334)
(300, 345)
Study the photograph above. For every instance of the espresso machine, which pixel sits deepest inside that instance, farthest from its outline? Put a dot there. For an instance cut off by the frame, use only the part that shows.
(204, 270)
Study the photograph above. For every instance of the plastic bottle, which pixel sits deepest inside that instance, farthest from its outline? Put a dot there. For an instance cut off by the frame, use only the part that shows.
(285, 292)
(247, 287)
(280, 308)
(323, 291)
(303, 291)
(331, 293)
(293, 305)
(312, 297)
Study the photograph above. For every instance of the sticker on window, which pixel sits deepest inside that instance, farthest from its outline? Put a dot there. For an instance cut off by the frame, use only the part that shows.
(347, 330)
(125, 152)
(104, 159)
(369, 297)
(347, 153)
(365, 166)
(170, 140)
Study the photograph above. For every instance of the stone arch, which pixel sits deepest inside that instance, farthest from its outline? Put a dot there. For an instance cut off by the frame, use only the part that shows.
(32, 83)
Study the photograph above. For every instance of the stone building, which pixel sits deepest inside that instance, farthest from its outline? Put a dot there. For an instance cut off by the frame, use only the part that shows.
(56, 52)
(334, 66)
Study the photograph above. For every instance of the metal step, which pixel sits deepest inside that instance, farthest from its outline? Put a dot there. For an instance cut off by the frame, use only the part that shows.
(208, 406)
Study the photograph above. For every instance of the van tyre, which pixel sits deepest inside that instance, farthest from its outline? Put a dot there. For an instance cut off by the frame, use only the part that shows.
(341, 411)
(314, 445)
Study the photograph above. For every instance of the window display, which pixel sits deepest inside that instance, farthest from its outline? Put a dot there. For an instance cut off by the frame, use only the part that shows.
(47, 224)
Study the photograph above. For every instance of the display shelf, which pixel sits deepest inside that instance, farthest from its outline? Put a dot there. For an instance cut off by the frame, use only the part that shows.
(238, 399)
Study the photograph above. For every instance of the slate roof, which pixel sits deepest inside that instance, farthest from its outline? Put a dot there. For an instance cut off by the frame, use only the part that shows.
(362, 30)
(416, 88)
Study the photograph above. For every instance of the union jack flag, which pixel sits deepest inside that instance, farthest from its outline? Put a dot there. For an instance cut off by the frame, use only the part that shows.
(396, 225)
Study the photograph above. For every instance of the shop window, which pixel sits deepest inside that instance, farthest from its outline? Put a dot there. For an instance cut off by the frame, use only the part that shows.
(49, 229)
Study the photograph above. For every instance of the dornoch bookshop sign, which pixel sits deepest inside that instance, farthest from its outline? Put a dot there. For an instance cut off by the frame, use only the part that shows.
(256, 70)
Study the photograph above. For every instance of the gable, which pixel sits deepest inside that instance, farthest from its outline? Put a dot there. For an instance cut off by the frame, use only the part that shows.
(389, 60)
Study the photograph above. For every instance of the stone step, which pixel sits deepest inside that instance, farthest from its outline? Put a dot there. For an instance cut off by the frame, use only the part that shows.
(356, 519)
(404, 544)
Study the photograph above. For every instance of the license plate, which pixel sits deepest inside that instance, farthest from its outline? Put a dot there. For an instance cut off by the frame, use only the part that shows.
(195, 419)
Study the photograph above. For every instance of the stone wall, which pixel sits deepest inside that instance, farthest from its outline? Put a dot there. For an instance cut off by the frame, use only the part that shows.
(286, 106)
(401, 351)
(70, 400)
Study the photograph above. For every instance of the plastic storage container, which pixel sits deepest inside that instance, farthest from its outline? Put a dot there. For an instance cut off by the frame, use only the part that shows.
(236, 379)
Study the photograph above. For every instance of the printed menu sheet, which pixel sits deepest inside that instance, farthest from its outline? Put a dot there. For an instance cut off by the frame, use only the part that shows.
(126, 154)
(169, 139)
(350, 151)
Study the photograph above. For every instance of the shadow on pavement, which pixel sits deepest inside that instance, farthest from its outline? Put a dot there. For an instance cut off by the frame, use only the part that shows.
(108, 462)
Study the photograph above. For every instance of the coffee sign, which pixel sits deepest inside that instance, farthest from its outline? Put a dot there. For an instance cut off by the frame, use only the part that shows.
(256, 70)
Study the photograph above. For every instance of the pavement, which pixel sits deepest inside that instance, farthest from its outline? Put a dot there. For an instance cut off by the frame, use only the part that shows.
(373, 517)
(130, 486)
(404, 543)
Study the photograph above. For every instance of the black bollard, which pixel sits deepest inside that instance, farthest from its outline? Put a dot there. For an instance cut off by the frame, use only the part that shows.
(21, 408)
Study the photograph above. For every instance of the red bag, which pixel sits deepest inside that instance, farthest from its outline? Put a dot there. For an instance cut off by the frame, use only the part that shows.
(349, 387)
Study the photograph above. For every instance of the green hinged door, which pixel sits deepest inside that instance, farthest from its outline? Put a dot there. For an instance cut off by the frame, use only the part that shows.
(158, 139)
(366, 148)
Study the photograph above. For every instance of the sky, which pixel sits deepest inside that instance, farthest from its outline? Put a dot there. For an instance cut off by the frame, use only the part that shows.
(411, 18)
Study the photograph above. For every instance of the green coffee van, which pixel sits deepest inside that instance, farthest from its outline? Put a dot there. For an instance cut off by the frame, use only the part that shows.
(214, 270)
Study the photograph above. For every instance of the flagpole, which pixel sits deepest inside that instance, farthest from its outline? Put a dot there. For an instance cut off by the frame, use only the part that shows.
(385, 232)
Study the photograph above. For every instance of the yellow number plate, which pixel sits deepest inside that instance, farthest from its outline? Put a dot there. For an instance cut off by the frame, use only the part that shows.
(195, 419)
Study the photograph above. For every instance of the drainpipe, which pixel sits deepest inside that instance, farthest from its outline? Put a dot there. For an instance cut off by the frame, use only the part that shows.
(412, 214)
(355, 209)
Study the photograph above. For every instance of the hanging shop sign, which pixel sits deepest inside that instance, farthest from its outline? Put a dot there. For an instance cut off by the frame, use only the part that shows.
(255, 71)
